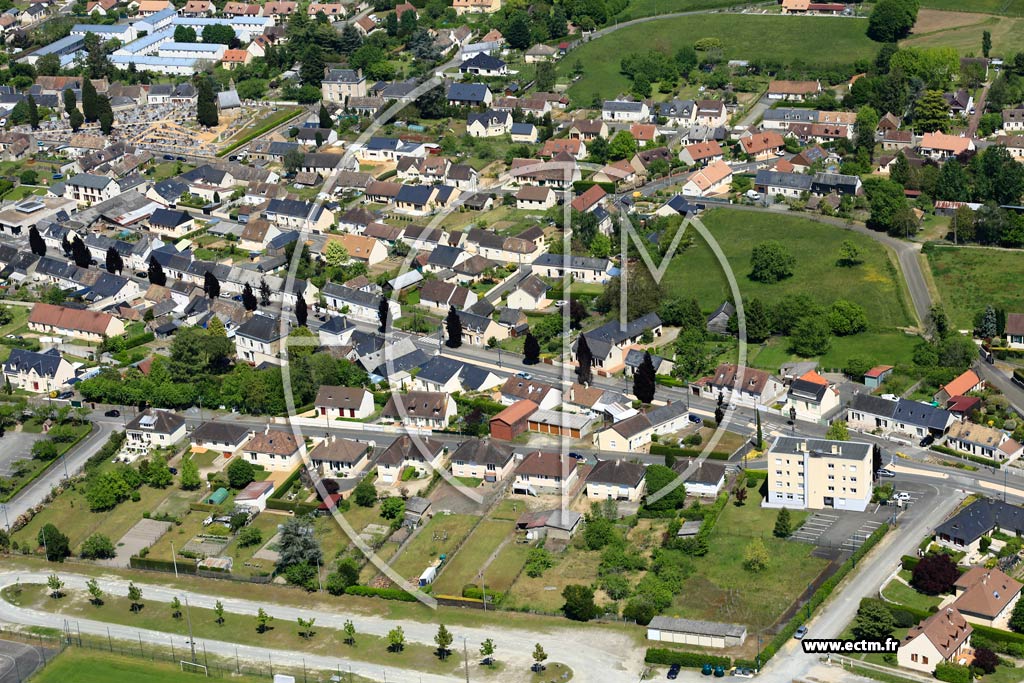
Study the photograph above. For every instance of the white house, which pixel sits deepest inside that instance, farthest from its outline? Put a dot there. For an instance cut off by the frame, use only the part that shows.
(275, 450)
(943, 637)
(351, 402)
(340, 458)
(36, 372)
(153, 429)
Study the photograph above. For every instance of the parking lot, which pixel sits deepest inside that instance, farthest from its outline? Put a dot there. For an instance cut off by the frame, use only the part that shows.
(16, 446)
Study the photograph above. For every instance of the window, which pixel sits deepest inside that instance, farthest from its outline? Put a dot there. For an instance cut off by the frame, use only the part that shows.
(831, 488)
(924, 659)
(778, 472)
(831, 465)
(831, 477)
(913, 657)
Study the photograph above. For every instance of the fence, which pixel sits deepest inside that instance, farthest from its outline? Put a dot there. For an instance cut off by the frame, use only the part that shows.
(855, 664)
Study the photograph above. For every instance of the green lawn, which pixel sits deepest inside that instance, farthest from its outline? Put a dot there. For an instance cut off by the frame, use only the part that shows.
(23, 191)
(237, 628)
(544, 592)
(1007, 7)
(86, 666)
(647, 8)
(463, 568)
(971, 278)
(721, 589)
(889, 348)
(837, 41)
(964, 36)
(815, 246)
(424, 549)
(507, 566)
(905, 595)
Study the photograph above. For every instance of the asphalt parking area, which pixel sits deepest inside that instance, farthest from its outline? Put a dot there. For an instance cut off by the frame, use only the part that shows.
(814, 527)
(16, 446)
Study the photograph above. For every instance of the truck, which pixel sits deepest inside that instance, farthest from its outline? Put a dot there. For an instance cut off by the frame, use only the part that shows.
(430, 573)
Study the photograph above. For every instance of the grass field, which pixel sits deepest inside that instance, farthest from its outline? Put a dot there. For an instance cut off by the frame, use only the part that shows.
(962, 30)
(424, 549)
(545, 592)
(237, 628)
(463, 568)
(721, 589)
(647, 8)
(971, 278)
(85, 666)
(873, 284)
(890, 348)
(1006, 7)
(905, 595)
(751, 37)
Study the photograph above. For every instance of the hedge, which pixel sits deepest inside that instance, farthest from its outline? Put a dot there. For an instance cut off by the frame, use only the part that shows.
(760, 475)
(139, 340)
(27, 344)
(185, 566)
(695, 660)
(987, 462)
(581, 186)
(383, 593)
(662, 449)
(909, 562)
(286, 485)
(290, 506)
(203, 507)
(474, 593)
(1018, 375)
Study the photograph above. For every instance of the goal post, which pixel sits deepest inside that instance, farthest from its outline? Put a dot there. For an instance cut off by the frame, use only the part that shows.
(193, 668)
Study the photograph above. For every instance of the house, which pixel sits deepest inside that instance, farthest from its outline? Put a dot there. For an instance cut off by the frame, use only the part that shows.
(36, 372)
(894, 140)
(358, 304)
(963, 531)
(523, 132)
(762, 146)
(634, 358)
(171, 223)
(350, 402)
(793, 91)
(741, 385)
(588, 129)
(512, 421)
(706, 480)
(540, 53)
(643, 160)
(469, 95)
(441, 296)
(589, 198)
(718, 321)
(1013, 120)
(876, 376)
(86, 188)
(816, 474)
(960, 102)
(965, 383)
(558, 524)
(361, 248)
(259, 340)
(340, 85)
(92, 326)
(1014, 331)
(541, 472)
(813, 397)
(701, 153)
(483, 64)
(553, 147)
(712, 180)
(255, 495)
(630, 435)
(529, 295)
(625, 111)
(221, 437)
(276, 450)
(902, 416)
(940, 146)
(986, 596)
(983, 441)
(780, 183)
(151, 429)
(962, 407)
(423, 454)
(482, 459)
(517, 389)
(489, 124)
(943, 637)
(580, 268)
(615, 479)
(340, 458)
(609, 343)
(476, 6)
(432, 410)
(531, 197)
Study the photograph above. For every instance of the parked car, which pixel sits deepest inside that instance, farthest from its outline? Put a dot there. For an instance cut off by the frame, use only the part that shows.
(927, 441)
(65, 395)
(885, 473)
(524, 375)
(578, 456)
(113, 412)
(173, 470)
(901, 495)
(696, 419)
(753, 194)
(743, 672)
(169, 157)
(800, 633)
(673, 672)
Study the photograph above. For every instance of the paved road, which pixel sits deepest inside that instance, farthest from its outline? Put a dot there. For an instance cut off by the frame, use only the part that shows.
(993, 375)
(979, 111)
(603, 655)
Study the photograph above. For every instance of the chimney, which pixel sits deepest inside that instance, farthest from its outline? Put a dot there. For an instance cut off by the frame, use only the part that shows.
(835, 449)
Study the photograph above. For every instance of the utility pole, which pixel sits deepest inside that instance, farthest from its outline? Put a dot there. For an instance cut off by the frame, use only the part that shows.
(465, 658)
(191, 640)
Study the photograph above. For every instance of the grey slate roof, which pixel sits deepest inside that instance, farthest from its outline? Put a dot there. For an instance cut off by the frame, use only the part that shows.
(45, 364)
(260, 327)
(980, 517)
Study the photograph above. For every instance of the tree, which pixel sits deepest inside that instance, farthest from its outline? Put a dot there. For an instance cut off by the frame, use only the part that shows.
(301, 312)
(952, 183)
(262, 620)
(846, 318)
(335, 254)
(837, 431)
(487, 652)
(98, 547)
(770, 262)
(539, 657)
(864, 130)
(218, 611)
(184, 34)
(104, 114)
(248, 298)
(579, 602)
(35, 242)
(545, 76)
(759, 436)
(453, 324)
(531, 350)
(584, 361)
(443, 640)
(325, 117)
(811, 336)
(739, 493)
(56, 586)
(931, 112)
(873, 621)
(396, 639)
(48, 65)
(783, 524)
(1016, 622)
(134, 597)
(645, 381)
(934, 574)
(156, 273)
(658, 478)
(298, 544)
(350, 632)
(95, 592)
(80, 253)
(306, 627)
(75, 119)
(264, 293)
(517, 35)
(986, 47)
(849, 255)
(211, 285)
(311, 71)
(755, 557)
(89, 100)
(206, 104)
(622, 146)
(241, 473)
(114, 262)
(33, 113)
(189, 474)
(989, 326)
(365, 493)
(56, 545)
(383, 310)
(250, 536)
(890, 21)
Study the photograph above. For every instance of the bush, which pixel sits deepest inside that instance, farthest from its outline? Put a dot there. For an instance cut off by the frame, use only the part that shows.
(952, 673)
(695, 660)
(98, 547)
(240, 473)
(249, 536)
(385, 593)
(537, 561)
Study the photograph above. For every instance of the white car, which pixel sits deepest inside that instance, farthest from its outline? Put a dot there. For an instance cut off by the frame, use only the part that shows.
(753, 194)
(560, 303)
(901, 495)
